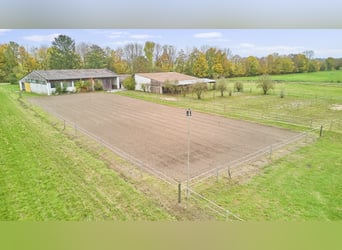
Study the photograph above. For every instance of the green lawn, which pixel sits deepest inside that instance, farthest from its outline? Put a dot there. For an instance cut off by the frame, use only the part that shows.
(304, 186)
(321, 76)
(46, 176)
(304, 106)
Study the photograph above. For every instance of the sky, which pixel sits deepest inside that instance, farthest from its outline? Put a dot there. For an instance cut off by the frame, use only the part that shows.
(244, 42)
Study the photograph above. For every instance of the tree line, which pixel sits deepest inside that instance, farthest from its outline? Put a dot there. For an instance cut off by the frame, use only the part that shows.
(16, 61)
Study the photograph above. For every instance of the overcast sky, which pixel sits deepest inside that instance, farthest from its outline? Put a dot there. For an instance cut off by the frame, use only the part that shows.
(243, 42)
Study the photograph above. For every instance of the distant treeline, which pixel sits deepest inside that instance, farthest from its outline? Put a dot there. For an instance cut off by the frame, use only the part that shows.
(16, 61)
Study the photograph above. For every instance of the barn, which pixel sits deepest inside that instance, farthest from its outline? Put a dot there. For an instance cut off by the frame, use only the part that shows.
(155, 82)
(46, 81)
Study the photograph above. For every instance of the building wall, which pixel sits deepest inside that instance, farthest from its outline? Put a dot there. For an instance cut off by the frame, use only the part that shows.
(139, 80)
(39, 88)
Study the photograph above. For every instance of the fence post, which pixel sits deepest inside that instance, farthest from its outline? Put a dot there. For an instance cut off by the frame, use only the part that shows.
(217, 174)
(229, 173)
(63, 124)
(271, 149)
(179, 192)
(321, 131)
(75, 129)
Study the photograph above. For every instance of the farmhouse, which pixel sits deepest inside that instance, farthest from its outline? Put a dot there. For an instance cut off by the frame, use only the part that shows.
(155, 82)
(46, 81)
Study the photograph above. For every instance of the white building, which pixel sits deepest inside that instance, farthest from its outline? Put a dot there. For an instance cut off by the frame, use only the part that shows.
(46, 81)
(155, 82)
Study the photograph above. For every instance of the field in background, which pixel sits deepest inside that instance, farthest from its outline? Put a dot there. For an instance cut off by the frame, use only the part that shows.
(314, 77)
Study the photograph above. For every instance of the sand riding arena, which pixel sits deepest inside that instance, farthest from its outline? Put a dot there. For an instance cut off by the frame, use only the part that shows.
(156, 136)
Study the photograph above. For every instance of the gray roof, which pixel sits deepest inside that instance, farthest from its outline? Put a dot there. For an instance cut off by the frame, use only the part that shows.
(71, 74)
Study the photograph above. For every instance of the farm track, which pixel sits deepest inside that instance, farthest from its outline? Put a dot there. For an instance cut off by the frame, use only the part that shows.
(157, 134)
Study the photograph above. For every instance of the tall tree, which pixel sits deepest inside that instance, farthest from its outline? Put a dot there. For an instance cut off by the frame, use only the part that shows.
(95, 58)
(300, 63)
(200, 67)
(180, 62)
(63, 54)
(252, 66)
(132, 51)
(149, 50)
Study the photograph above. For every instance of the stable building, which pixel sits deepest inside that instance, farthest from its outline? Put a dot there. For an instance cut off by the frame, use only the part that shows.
(155, 82)
(46, 81)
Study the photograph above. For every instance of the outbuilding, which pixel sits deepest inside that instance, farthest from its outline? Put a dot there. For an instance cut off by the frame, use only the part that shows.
(46, 81)
(155, 82)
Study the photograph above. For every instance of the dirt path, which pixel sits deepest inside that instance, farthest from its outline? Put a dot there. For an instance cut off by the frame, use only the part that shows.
(157, 134)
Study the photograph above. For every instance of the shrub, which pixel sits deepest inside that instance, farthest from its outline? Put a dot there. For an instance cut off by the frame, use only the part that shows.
(238, 86)
(266, 83)
(221, 86)
(60, 90)
(98, 85)
(82, 86)
(198, 89)
(129, 83)
(282, 93)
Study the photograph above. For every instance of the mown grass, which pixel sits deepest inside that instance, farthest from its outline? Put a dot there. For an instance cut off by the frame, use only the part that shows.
(304, 186)
(46, 176)
(321, 76)
(304, 106)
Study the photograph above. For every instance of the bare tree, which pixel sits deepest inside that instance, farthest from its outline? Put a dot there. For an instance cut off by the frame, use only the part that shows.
(132, 51)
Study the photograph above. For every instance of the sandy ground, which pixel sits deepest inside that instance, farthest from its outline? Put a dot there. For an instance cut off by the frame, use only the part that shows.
(157, 135)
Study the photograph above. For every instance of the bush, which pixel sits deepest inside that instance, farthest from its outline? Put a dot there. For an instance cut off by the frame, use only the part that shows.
(282, 93)
(129, 83)
(82, 86)
(266, 83)
(221, 86)
(198, 89)
(98, 85)
(60, 90)
(238, 86)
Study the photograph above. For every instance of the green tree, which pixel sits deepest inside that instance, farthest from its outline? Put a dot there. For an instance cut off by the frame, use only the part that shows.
(198, 89)
(252, 66)
(129, 83)
(63, 54)
(95, 58)
(266, 83)
(300, 63)
(200, 67)
(330, 63)
(180, 62)
(238, 86)
(221, 86)
(149, 50)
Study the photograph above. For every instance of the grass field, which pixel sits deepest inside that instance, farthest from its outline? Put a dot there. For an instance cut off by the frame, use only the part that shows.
(303, 186)
(46, 176)
(304, 105)
(317, 77)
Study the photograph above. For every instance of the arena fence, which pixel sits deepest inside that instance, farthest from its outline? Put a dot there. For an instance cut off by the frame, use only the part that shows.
(230, 170)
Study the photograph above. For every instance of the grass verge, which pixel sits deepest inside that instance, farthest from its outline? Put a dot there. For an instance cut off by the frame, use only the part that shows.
(46, 176)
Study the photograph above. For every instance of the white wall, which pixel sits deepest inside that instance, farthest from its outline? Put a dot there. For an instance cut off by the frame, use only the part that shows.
(139, 80)
(39, 88)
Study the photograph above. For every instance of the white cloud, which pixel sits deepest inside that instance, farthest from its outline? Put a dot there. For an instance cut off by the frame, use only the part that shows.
(41, 38)
(3, 31)
(208, 35)
(142, 36)
(118, 34)
(247, 45)
(248, 49)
